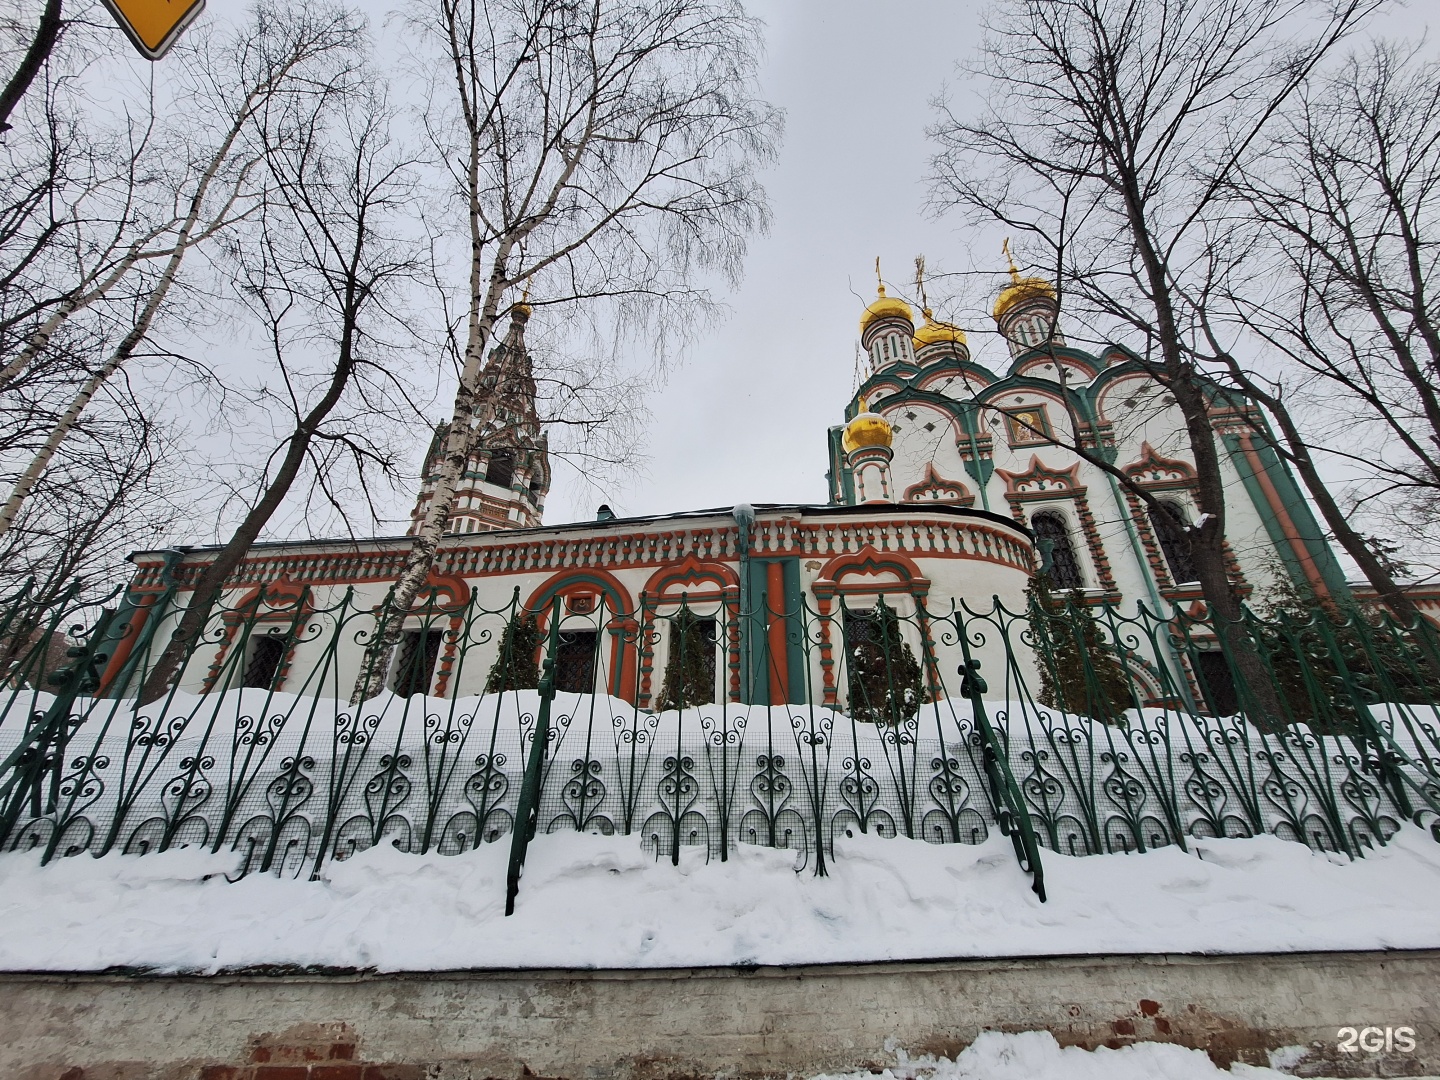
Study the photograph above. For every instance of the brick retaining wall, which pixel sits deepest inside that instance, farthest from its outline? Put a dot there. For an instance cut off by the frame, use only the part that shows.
(668, 1024)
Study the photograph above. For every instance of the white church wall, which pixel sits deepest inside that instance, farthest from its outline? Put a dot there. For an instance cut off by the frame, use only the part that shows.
(897, 552)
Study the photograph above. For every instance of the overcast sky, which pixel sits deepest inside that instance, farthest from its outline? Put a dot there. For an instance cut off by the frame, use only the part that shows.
(744, 418)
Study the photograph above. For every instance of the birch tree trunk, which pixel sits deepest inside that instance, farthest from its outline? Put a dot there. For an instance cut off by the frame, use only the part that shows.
(611, 144)
(31, 476)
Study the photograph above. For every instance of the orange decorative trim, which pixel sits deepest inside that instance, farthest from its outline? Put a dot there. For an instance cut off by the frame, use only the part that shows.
(936, 488)
(1040, 481)
(139, 616)
(486, 555)
(867, 562)
(689, 571)
(1282, 516)
(580, 582)
(577, 589)
(286, 601)
(1153, 470)
(442, 592)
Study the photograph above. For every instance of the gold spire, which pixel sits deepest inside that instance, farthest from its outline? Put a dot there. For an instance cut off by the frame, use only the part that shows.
(1020, 288)
(934, 330)
(523, 308)
(885, 306)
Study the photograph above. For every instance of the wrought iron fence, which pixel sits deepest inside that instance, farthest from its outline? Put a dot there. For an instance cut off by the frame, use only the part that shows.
(703, 724)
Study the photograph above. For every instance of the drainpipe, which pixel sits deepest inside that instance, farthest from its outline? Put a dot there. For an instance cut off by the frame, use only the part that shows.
(975, 457)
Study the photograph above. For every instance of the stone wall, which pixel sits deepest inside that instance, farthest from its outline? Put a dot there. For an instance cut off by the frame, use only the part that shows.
(656, 1025)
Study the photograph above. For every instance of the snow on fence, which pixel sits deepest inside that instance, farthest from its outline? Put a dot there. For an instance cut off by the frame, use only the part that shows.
(288, 781)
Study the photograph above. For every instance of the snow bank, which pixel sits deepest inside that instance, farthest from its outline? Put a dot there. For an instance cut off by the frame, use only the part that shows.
(1035, 1055)
(591, 901)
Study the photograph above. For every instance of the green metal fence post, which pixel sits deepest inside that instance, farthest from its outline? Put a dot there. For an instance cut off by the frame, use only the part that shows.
(1011, 813)
(44, 746)
(527, 813)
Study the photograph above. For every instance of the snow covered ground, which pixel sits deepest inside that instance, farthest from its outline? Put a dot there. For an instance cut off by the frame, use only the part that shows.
(1035, 1055)
(592, 901)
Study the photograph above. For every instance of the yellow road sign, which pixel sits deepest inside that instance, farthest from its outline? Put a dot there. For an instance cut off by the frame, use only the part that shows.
(153, 25)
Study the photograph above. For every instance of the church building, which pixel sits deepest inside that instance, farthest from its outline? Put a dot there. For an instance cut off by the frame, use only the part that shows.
(948, 482)
(957, 433)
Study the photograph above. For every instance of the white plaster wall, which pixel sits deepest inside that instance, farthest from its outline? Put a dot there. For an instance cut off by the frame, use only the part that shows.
(976, 581)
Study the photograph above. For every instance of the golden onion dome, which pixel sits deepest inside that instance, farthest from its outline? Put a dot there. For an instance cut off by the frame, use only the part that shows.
(523, 310)
(867, 429)
(935, 332)
(1021, 289)
(886, 307)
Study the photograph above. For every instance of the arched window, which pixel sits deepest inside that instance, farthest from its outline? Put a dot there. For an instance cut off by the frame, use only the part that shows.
(1064, 567)
(263, 662)
(501, 469)
(1176, 551)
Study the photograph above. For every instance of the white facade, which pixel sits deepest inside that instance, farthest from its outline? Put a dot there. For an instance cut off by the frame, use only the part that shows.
(964, 435)
(779, 607)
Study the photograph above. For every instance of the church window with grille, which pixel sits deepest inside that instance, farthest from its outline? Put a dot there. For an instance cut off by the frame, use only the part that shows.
(690, 666)
(501, 469)
(415, 662)
(1174, 548)
(1050, 527)
(575, 661)
(262, 662)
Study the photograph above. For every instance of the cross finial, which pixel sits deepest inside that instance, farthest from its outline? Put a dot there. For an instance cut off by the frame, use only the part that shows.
(920, 284)
(879, 281)
(1009, 258)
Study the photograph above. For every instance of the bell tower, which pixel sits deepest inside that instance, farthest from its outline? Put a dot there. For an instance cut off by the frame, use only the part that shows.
(508, 475)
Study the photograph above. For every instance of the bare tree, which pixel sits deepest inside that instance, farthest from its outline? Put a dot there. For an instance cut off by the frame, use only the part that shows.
(1344, 278)
(604, 151)
(47, 32)
(110, 488)
(330, 258)
(1111, 130)
(278, 55)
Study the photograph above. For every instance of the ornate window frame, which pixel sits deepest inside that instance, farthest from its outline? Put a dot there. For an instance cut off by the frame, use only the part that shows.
(1040, 487)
